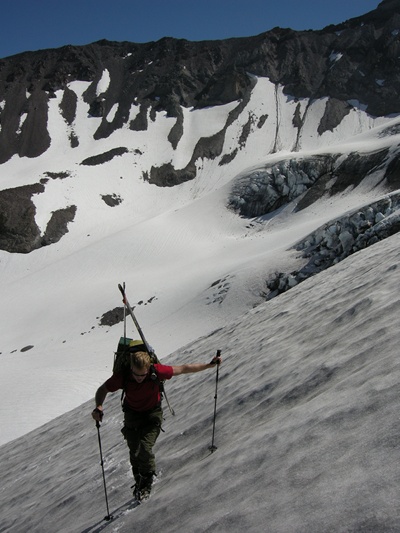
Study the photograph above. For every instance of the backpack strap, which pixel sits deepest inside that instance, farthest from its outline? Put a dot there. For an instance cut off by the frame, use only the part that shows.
(155, 378)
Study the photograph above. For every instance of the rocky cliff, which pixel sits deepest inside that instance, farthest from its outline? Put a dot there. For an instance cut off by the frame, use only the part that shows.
(355, 60)
(352, 67)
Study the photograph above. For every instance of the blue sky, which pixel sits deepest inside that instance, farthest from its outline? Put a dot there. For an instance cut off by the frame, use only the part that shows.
(37, 24)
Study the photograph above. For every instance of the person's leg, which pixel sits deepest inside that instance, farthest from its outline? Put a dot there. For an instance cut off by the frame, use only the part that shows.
(132, 435)
(145, 458)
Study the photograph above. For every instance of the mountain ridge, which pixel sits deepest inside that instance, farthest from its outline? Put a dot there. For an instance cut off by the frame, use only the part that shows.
(171, 73)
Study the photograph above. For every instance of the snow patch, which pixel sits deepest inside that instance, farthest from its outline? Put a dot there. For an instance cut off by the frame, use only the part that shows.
(335, 56)
(22, 119)
(103, 83)
(111, 114)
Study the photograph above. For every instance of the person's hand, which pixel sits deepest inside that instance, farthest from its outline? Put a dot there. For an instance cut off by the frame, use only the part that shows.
(97, 414)
(216, 360)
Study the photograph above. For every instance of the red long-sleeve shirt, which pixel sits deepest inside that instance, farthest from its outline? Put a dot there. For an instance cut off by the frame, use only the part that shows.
(142, 396)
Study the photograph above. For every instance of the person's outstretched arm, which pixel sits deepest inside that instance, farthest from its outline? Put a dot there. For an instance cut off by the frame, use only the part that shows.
(195, 367)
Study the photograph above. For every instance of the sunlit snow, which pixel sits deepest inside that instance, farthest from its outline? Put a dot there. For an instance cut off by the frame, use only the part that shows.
(307, 408)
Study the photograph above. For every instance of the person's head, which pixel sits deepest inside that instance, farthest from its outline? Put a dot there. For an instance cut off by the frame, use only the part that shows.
(140, 365)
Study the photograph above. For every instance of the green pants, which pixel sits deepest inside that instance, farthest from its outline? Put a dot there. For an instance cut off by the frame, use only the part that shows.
(141, 431)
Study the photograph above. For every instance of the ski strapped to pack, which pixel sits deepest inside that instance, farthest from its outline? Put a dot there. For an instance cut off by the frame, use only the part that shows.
(147, 346)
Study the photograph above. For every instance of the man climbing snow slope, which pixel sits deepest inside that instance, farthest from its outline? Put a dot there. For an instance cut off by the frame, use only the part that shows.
(142, 410)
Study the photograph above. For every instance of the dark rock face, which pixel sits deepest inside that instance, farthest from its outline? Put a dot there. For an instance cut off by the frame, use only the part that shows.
(207, 148)
(110, 318)
(167, 176)
(335, 112)
(57, 226)
(355, 60)
(393, 173)
(103, 158)
(111, 200)
(19, 232)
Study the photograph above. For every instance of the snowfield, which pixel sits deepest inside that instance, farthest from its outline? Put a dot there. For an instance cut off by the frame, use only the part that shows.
(307, 425)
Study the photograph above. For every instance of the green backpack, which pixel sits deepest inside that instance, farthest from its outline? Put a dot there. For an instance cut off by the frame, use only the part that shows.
(122, 357)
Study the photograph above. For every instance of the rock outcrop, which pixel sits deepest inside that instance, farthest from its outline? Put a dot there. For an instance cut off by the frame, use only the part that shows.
(19, 232)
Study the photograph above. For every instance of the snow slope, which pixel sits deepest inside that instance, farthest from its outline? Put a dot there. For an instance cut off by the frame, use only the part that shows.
(195, 265)
(307, 426)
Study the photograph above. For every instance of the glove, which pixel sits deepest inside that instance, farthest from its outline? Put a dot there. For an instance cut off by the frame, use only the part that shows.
(97, 414)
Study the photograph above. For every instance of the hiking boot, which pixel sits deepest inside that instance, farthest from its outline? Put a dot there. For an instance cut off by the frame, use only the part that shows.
(144, 494)
(142, 487)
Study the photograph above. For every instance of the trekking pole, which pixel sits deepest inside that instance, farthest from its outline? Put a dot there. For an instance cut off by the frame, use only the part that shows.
(124, 318)
(148, 349)
(213, 447)
(108, 517)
